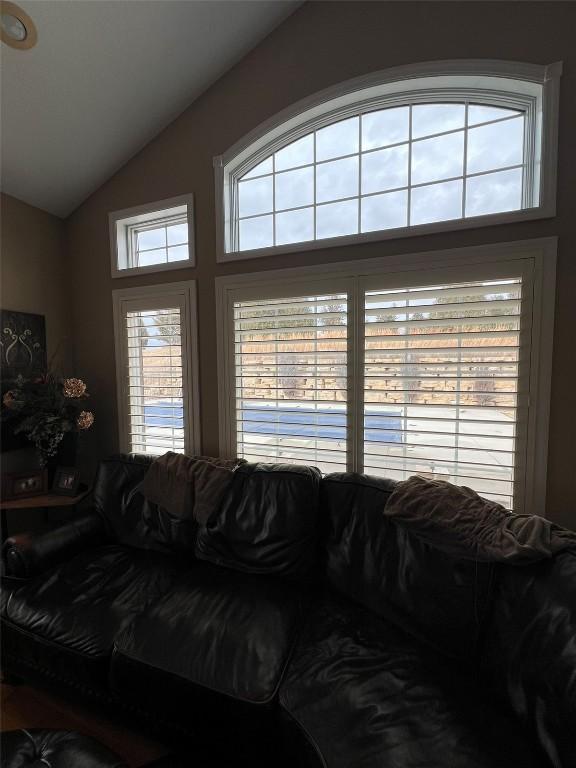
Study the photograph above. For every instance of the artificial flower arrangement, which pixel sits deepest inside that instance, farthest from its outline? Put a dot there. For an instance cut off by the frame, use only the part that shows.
(45, 409)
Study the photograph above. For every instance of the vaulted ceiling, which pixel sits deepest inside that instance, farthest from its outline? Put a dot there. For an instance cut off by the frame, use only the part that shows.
(104, 78)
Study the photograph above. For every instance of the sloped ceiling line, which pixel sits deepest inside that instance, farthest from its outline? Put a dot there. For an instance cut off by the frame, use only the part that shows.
(106, 77)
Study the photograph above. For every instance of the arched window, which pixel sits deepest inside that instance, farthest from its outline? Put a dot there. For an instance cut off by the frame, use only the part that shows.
(439, 146)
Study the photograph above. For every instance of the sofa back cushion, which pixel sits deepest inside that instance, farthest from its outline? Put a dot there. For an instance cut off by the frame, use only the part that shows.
(267, 522)
(531, 650)
(129, 517)
(378, 563)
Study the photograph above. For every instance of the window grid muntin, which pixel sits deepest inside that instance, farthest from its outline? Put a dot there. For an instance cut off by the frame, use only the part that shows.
(504, 99)
(161, 223)
(465, 162)
(383, 192)
(480, 97)
(385, 146)
(409, 143)
(409, 190)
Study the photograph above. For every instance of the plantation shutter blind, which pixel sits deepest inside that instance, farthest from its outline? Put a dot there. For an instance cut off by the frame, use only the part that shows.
(291, 386)
(154, 376)
(441, 372)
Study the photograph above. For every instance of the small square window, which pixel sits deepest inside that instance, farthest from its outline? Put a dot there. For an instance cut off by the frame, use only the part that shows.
(153, 237)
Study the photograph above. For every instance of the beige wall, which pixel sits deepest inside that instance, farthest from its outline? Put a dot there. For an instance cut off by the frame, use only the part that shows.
(322, 44)
(33, 273)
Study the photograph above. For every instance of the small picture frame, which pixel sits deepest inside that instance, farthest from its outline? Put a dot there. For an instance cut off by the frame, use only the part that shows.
(23, 485)
(66, 481)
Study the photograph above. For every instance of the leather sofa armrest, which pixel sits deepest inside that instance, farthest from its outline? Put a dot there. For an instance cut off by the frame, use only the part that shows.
(24, 554)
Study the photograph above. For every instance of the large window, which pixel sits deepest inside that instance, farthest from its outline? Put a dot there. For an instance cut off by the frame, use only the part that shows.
(389, 159)
(437, 370)
(386, 169)
(157, 369)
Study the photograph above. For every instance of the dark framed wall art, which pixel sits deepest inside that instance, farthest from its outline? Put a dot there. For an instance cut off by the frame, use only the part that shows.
(22, 355)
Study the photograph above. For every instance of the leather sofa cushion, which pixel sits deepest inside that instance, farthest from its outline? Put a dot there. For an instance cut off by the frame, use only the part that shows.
(84, 603)
(39, 748)
(8, 584)
(129, 517)
(25, 554)
(228, 632)
(267, 522)
(378, 563)
(369, 696)
(532, 650)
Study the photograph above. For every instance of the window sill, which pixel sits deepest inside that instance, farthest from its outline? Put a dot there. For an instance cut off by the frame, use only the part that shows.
(129, 271)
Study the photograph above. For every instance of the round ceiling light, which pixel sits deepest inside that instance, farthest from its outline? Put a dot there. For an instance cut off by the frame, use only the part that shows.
(16, 28)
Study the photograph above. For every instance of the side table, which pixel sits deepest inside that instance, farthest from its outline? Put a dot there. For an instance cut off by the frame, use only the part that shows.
(44, 502)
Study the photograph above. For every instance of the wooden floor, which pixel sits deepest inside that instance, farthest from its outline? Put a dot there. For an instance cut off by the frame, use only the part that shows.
(24, 707)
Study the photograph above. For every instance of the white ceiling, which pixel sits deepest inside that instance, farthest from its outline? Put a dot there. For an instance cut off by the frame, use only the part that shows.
(104, 78)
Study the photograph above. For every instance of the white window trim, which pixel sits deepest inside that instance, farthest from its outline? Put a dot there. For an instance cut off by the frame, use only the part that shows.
(147, 210)
(541, 253)
(151, 297)
(396, 83)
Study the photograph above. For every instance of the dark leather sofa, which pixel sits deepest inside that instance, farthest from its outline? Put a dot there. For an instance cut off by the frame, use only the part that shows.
(298, 627)
(46, 748)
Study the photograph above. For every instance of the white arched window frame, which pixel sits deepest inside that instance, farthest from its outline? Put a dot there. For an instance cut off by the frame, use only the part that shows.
(528, 88)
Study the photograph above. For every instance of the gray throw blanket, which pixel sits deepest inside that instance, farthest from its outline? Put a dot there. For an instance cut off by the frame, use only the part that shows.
(189, 487)
(458, 521)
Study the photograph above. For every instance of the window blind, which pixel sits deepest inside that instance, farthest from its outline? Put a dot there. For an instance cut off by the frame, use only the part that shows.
(441, 372)
(154, 380)
(291, 380)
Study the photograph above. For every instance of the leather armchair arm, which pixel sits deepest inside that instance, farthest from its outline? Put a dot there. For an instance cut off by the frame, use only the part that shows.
(24, 555)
